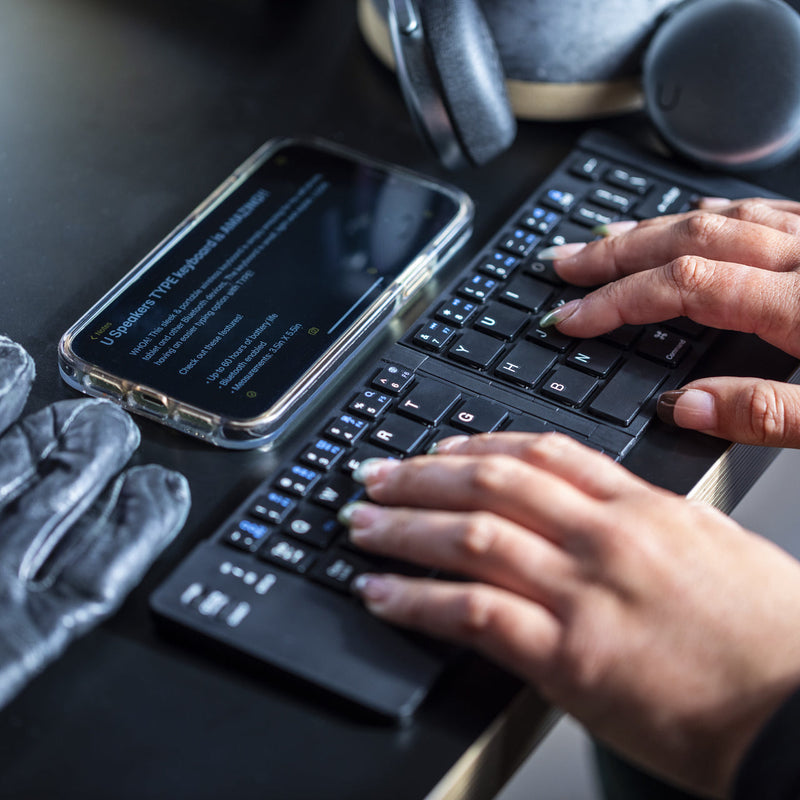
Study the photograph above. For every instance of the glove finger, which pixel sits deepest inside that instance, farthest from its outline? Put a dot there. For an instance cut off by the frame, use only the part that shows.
(91, 572)
(16, 376)
(53, 464)
(113, 544)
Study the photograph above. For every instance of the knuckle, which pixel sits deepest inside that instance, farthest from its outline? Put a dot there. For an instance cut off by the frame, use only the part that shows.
(766, 412)
(479, 535)
(751, 210)
(703, 228)
(474, 614)
(690, 274)
(543, 446)
(489, 474)
(758, 210)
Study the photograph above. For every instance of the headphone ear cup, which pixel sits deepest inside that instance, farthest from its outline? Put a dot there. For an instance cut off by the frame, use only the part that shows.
(452, 78)
(722, 82)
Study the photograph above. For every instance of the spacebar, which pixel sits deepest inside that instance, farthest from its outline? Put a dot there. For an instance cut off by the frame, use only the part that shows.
(627, 391)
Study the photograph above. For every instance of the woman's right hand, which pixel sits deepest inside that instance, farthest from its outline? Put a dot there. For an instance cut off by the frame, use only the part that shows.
(728, 265)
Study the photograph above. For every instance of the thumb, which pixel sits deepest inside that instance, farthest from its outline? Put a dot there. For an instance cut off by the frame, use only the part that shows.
(746, 410)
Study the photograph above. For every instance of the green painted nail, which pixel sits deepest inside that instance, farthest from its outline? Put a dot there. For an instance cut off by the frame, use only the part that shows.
(559, 314)
(560, 251)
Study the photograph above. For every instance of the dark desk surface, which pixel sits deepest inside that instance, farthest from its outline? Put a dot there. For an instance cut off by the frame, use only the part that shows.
(116, 118)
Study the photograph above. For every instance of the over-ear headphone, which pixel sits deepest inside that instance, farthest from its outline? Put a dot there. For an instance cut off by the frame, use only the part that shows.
(720, 79)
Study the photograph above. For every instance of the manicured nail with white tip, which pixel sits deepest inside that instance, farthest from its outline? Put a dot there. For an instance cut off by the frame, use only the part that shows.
(359, 518)
(712, 202)
(615, 228)
(443, 445)
(558, 315)
(560, 251)
(374, 470)
(375, 590)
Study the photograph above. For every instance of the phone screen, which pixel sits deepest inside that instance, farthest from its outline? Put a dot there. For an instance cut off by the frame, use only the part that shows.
(230, 315)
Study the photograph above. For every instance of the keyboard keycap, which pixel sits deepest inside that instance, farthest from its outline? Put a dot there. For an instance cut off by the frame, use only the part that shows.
(247, 535)
(499, 265)
(663, 346)
(525, 363)
(622, 397)
(591, 217)
(519, 241)
(549, 337)
(336, 491)
(297, 480)
(456, 311)
(399, 434)
(569, 386)
(664, 198)
(478, 288)
(313, 525)
(559, 199)
(630, 181)
(543, 271)
(434, 335)
(588, 167)
(477, 415)
(369, 403)
(338, 569)
(616, 201)
(322, 454)
(527, 293)
(273, 507)
(540, 220)
(429, 402)
(501, 321)
(594, 357)
(286, 553)
(624, 336)
(476, 349)
(346, 429)
(569, 232)
(393, 379)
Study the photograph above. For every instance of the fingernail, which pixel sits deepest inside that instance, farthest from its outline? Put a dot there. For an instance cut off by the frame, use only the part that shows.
(443, 445)
(559, 314)
(560, 251)
(688, 408)
(374, 590)
(357, 514)
(615, 228)
(713, 202)
(373, 470)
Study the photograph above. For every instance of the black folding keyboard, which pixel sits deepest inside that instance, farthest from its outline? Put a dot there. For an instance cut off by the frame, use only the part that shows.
(273, 582)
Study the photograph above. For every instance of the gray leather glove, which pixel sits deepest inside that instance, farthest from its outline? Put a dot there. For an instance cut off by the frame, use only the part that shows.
(75, 536)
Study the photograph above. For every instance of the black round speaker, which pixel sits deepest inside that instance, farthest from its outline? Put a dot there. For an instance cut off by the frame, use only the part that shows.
(722, 81)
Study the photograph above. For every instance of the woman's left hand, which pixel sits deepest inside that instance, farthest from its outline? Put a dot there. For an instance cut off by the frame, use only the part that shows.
(659, 623)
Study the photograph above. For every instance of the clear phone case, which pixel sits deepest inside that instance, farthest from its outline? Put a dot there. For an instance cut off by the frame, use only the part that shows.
(245, 424)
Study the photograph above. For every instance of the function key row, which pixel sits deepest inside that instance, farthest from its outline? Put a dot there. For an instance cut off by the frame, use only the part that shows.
(650, 197)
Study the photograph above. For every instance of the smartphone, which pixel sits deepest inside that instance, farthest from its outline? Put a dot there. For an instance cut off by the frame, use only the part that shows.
(234, 322)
